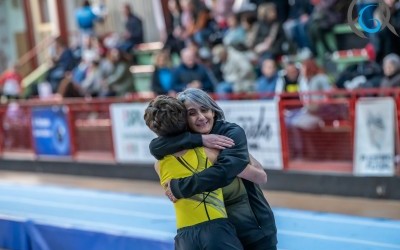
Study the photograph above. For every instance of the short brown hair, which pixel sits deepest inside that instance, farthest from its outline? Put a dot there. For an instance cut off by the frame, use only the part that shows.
(166, 116)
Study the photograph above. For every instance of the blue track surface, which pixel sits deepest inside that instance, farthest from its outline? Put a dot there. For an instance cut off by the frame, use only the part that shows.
(152, 218)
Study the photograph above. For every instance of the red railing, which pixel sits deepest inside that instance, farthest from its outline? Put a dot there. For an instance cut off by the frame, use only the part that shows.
(326, 147)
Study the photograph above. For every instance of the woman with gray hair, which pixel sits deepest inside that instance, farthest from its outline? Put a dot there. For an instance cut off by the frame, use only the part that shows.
(246, 206)
(391, 70)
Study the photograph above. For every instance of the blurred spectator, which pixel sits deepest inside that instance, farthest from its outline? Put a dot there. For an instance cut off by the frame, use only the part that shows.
(67, 88)
(188, 18)
(11, 83)
(161, 83)
(309, 117)
(291, 78)
(250, 25)
(235, 33)
(238, 73)
(190, 74)
(174, 42)
(385, 42)
(391, 69)
(221, 10)
(92, 52)
(214, 68)
(120, 81)
(296, 25)
(366, 74)
(205, 30)
(86, 19)
(270, 82)
(281, 6)
(326, 14)
(63, 61)
(91, 85)
(133, 34)
(270, 37)
(313, 79)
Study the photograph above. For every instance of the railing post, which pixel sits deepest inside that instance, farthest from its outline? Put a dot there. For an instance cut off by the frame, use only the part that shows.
(284, 135)
(71, 125)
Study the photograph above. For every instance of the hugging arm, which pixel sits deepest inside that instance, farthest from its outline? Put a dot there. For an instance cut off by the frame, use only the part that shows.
(230, 163)
(162, 146)
(254, 172)
(167, 145)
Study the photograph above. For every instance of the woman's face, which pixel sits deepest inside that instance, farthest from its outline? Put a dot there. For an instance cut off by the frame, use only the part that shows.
(388, 68)
(200, 119)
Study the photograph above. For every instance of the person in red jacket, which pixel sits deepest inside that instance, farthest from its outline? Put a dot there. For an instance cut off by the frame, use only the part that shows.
(11, 83)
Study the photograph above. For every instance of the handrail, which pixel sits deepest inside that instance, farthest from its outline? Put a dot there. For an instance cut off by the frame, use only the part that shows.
(45, 43)
(136, 97)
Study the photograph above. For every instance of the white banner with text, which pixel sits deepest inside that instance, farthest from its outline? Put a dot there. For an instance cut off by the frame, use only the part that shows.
(374, 147)
(260, 121)
(131, 136)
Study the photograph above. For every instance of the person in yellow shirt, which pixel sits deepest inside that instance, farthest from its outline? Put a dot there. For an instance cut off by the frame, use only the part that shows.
(201, 219)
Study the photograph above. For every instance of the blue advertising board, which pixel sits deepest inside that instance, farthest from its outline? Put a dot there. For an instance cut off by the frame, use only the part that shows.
(51, 131)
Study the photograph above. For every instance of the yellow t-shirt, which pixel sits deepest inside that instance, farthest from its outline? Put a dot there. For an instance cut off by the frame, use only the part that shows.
(198, 208)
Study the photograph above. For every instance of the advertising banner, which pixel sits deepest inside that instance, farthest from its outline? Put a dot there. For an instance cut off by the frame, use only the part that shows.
(260, 121)
(374, 137)
(50, 131)
(131, 136)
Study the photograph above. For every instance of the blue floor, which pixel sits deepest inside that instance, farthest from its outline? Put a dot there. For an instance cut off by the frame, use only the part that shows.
(153, 218)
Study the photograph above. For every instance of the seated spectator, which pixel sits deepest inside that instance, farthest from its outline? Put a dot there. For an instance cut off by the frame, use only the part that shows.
(250, 25)
(175, 40)
(67, 88)
(133, 34)
(91, 85)
(161, 83)
(313, 79)
(63, 61)
(190, 74)
(214, 68)
(366, 74)
(222, 9)
(206, 29)
(238, 73)
(385, 41)
(11, 83)
(270, 82)
(291, 78)
(235, 33)
(120, 81)
(325, 15)
(309, 117)
(295, 26)
(270, 38)
(391, 70)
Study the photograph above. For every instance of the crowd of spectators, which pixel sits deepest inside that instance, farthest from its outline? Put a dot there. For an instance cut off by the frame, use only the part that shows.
(224, 47)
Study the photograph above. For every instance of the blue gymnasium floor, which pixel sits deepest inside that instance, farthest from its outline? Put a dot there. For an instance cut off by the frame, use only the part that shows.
(89, 219)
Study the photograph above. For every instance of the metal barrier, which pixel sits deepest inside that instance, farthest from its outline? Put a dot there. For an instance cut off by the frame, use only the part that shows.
(323, 143)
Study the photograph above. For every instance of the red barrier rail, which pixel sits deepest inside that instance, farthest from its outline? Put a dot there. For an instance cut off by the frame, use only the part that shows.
(327, 146)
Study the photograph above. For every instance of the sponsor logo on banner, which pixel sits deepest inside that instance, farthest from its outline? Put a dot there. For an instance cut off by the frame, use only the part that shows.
(374, 137)
(50, 131)
(260, 121)
(130, 134)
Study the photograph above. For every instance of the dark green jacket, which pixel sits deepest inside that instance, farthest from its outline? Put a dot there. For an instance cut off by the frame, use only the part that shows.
(246, 206)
